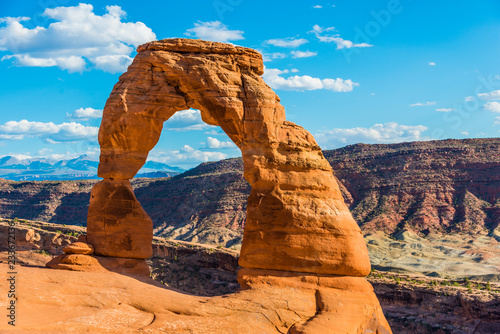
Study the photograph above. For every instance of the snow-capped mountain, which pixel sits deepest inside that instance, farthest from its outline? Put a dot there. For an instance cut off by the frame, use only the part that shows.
(83, 167)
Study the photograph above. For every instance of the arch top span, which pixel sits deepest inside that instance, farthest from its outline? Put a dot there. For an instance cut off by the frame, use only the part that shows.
(296, 217)
(221, 80)
(251, 59)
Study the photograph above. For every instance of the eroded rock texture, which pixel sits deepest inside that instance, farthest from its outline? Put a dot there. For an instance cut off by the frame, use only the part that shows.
(297, 223)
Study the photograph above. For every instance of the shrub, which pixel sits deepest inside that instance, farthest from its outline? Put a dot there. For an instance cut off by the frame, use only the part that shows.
(43, 252)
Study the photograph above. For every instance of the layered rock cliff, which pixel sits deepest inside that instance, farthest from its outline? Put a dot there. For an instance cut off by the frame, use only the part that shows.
(436, 186)
(448, 186)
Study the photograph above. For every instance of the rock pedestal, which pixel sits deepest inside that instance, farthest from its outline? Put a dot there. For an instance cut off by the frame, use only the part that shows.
(116, 223)
(78, 256)
(297, 223)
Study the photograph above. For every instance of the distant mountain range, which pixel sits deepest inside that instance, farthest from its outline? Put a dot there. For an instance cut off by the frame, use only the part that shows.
(444, 187)
(83, 167)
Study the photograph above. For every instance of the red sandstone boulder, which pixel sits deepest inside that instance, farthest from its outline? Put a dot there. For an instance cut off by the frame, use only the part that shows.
(79, 248)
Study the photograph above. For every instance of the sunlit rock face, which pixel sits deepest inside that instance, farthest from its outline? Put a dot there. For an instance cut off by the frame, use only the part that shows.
(299, 234)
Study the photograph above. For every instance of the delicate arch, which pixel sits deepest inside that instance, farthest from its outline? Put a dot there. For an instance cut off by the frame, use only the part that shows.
(296, 217)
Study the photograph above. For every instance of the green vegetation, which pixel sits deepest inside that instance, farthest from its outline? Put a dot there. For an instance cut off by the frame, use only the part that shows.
(453, 284)
(42, 251)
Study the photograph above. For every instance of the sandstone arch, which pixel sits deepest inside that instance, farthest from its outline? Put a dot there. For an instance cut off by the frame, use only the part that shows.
(298, 232)
(296, 216)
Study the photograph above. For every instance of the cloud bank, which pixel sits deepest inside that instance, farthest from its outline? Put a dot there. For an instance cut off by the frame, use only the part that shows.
(386, 133)
(76, 39)
(214, 31)
(51, 132)
(273, 77)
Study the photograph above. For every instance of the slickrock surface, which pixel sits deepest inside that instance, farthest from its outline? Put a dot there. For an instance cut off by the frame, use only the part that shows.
(299, 234)
(62, 301)
(411, 303)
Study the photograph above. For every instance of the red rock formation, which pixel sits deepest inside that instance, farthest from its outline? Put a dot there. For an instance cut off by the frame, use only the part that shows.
(117, 224)
(298, 234)
(297, 219)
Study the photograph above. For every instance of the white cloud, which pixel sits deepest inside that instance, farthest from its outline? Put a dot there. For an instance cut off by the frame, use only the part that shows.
(65, 132)
(186, 120)
(70, 63)
(497, 120)
(294, 70)
(11, 137)
(44, 151)
(432, 63)
(274, 79)
(187, 149)
(303, 54)
(74, 132)
(85, 114)
(25, 127)
(423, 104)
(214, 31)
(112, 63)
(266, 57)
(215, 132)
(492, 106)
(340, 42)
(185, 157)
(445, 109)
(215, 143)
(78, 37)
(469, 99)
(391, 132)
(318, 6)
(287, 42)
(465, 133)
(491, 96)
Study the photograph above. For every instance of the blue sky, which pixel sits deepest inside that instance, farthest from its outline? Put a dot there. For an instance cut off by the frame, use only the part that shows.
(347, 71)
